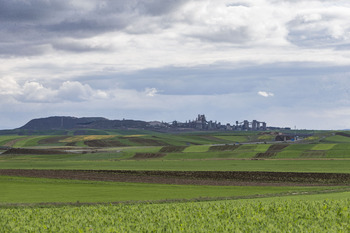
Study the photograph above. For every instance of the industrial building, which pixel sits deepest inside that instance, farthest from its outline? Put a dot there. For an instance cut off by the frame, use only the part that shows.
(201, 123)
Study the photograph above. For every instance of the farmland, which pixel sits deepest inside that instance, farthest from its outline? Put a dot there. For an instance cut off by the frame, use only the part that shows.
(206, 181)
(224, 216)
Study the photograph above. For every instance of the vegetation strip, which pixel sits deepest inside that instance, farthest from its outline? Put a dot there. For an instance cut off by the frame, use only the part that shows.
(183, 200)
(190, 177)
(225, 216)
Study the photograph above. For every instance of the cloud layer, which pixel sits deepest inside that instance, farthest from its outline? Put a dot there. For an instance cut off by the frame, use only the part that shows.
(166, 59)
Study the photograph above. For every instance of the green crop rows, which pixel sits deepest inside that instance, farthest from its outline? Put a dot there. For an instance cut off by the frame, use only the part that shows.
(224, 216)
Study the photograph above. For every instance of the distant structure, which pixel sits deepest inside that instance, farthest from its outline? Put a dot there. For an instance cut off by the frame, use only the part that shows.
(201, 123)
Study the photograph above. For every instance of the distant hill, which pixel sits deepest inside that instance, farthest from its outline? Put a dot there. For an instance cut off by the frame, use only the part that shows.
(66, 122)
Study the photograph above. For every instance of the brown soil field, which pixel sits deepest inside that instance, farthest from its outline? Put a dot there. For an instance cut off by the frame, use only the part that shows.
(24, 151)
(148, 155)
(265, 155)
(104, 143)
(223, 148)
(170, 149)
(272, 151)
(277, 147)
(71, 143)
(343, 134)
(222, 178)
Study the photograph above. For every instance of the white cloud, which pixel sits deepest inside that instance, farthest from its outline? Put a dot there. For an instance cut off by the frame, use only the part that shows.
(9, 86)
(35, 92)
(265, 94)
(151, 91)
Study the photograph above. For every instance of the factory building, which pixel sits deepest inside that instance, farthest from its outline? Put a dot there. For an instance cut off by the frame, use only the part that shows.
(201, 123)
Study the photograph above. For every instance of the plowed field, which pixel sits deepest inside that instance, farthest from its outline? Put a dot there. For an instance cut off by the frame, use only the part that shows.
(228, 178)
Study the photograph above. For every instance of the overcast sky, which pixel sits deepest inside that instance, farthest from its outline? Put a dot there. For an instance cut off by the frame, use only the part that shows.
(286, 62)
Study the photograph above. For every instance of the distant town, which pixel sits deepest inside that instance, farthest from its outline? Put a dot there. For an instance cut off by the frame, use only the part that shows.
(201, 123)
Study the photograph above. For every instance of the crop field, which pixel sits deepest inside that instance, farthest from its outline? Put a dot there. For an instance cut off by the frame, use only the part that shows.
(223, 216)
(44, 190)
(137, 180)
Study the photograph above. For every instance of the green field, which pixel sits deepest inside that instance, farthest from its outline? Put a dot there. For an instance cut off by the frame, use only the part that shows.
(261, 208)
(40, 190)
(222, 216)
(327, 166)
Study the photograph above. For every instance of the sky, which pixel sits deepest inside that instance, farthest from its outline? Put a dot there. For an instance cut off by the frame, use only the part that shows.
(284, 62)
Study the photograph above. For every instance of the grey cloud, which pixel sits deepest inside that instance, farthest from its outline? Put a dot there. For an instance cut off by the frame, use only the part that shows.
(84, 27)
(115, 16)
(33, 10)
(26, 26)
(225, 34)
(160, 7)
(79, 47)
(23, 49)
(139, 7)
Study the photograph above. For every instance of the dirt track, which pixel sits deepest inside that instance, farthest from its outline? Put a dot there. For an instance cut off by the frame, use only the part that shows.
(222, 178)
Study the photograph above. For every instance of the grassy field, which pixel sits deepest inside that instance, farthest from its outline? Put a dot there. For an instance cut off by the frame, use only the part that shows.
(5, 139)
(62, 162)
(40, 190)
(323, 209)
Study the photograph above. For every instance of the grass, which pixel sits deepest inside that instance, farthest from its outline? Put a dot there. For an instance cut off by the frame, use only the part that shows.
(323, 147)
(313, 197)
(336, 139)
(197, 149)
(40, 190)
(6, 139)
(71, 162)
(29, 141)
(294, 151)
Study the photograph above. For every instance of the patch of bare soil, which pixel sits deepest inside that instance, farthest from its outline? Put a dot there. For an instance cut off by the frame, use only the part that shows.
(265, 155)
(222, 178)
(342, 134)
(223, 148)
(71, 143)
(277, 147)
(148, 155)
(104, 143)
(272, 151)
(25, 151)
(171, 149)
